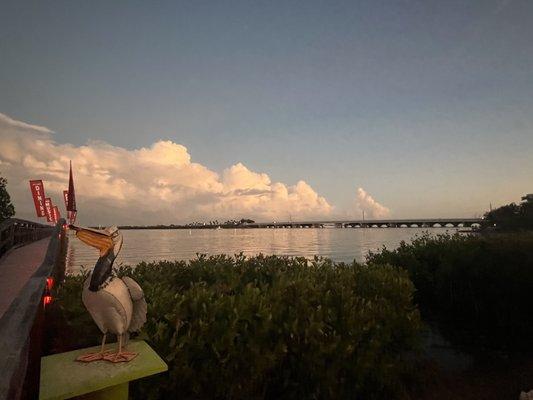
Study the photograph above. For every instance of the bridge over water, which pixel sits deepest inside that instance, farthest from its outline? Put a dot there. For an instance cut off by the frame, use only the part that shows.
(376, 223)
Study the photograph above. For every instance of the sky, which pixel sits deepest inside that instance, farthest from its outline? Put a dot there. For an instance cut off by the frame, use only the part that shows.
(173, 111)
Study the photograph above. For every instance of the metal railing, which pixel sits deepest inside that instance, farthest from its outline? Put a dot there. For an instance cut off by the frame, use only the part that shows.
(22, 325)
(17, 232)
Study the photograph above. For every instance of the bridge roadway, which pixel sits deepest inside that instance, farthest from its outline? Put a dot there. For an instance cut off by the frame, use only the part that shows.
(376, 223)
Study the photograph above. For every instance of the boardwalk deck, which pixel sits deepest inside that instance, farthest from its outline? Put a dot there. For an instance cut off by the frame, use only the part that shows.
(17, 267)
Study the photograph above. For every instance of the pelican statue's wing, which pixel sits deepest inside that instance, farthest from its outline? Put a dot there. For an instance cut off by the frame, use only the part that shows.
(138, 317)
(111, 307)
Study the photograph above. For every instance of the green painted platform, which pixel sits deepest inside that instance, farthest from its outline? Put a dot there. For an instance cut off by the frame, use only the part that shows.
(63, 378)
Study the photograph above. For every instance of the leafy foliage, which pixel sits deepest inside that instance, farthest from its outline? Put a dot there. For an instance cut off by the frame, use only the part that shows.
(7, 210)
(511, 217)
(479, 286)
(270, 327)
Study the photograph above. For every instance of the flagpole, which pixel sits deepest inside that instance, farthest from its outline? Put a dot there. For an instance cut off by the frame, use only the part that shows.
(71, 204)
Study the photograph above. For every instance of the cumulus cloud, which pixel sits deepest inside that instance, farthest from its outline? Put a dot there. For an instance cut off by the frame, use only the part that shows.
(373, 209)
(155, 184)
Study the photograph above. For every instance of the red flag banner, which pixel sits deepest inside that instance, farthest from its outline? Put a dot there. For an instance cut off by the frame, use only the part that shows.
(49, 209)
(65, 197)
(37, 191)
(71, 204)
(71, 215)
(56, 214)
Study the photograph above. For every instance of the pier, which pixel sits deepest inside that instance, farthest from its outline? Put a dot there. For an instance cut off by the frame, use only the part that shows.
(31, 260)
(16, 268)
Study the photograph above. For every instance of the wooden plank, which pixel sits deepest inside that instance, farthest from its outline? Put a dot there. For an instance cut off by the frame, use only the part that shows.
(17, 267)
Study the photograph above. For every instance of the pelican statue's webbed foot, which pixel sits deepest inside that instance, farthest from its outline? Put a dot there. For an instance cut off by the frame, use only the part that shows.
(100, 355)
(120, 355)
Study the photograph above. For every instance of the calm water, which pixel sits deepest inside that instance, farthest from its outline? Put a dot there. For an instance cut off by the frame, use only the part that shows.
(337, 244)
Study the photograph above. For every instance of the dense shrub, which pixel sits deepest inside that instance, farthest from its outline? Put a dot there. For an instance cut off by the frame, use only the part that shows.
(479, 286)
(270, 327)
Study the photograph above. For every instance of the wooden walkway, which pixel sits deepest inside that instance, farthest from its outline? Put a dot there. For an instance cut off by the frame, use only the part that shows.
(17, 267)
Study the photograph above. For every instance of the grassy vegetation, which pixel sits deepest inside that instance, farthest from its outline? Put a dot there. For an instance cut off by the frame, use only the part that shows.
(479, 288)
(268, 327)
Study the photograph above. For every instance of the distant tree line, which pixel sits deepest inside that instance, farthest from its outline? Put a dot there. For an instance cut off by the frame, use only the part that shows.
(196, 225)
(215, 223)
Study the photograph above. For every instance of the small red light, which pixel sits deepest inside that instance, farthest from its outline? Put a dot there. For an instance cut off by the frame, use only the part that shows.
(49, 283)
(47, 300)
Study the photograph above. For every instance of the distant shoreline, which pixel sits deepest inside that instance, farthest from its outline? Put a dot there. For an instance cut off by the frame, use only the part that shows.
(280, 226)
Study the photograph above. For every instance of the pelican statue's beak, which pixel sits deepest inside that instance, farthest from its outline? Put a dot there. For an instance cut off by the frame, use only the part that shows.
(109, 242)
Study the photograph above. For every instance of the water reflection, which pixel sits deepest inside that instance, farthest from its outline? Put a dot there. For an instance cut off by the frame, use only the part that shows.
(337, 244)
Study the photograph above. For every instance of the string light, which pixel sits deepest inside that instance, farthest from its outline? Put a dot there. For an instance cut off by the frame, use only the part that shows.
(47, 299)
(49, 283)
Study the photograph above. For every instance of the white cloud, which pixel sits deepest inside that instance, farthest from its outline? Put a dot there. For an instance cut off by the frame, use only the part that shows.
(156, 184)
(14, 125)
(373, 209)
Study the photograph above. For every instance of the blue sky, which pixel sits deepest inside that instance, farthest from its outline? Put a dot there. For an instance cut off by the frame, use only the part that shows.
(427, 105)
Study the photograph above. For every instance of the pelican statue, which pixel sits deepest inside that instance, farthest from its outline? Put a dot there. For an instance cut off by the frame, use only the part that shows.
(117, 305)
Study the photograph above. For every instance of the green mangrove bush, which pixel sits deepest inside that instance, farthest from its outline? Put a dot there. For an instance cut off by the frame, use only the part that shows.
(270, 327)
(478, 286)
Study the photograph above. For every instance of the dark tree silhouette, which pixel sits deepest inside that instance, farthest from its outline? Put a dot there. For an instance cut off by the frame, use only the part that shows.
(7, 210)
(512, 216)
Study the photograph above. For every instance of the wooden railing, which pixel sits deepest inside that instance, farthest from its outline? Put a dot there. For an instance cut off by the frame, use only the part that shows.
(17, 232)
(22, 325)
